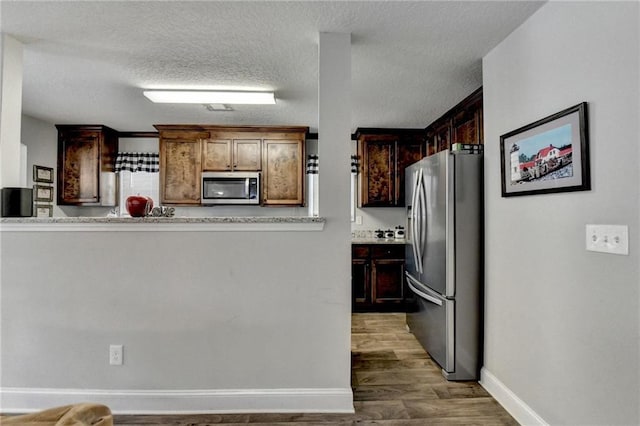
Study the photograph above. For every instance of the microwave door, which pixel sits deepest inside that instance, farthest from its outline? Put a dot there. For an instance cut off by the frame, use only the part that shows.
(230, 188)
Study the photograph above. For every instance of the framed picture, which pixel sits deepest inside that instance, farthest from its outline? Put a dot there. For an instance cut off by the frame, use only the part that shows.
(44, 210)
(550, 155)
(42, 193)
(42, 174)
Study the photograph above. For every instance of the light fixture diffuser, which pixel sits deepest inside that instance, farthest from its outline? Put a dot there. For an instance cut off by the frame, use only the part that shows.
(209, 97)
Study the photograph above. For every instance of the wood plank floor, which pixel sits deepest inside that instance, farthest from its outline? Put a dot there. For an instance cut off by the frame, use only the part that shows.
(395, 383)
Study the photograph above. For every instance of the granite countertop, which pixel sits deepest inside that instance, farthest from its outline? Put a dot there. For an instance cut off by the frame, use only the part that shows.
(377, 241)
(162, 224)
(151, 219)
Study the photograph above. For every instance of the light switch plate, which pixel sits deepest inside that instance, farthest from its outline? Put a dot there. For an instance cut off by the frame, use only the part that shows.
(612, 239)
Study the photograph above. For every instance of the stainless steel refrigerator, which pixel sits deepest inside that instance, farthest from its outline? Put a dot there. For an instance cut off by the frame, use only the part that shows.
(444, 258)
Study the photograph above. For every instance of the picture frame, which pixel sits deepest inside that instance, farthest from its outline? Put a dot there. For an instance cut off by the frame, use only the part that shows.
(42, 174)
(44, 210)
(42, 193)
(548, 156)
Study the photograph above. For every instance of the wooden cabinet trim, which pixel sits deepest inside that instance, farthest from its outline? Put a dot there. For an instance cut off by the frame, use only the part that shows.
(223, 128)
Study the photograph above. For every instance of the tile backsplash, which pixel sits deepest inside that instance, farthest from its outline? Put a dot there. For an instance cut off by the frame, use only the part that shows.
(362, 233)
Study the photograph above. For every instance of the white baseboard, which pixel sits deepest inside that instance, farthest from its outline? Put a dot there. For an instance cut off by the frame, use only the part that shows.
(514, 405)
(25, 400)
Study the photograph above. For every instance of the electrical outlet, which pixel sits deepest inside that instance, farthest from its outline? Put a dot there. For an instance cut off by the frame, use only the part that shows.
(358, 220)
(612, 239)
(115, 354)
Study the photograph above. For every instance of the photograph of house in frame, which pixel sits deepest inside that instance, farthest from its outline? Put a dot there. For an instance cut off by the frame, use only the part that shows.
(550, 155)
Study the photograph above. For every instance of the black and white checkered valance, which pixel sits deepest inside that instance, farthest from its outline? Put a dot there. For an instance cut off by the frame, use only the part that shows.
(138, 162)
(312, 164)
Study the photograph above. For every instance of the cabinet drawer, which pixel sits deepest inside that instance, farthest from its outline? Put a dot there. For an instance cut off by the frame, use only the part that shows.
(359, 252)
(390, 251)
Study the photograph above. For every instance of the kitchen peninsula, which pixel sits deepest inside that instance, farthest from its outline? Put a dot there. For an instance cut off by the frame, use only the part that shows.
(175, 291)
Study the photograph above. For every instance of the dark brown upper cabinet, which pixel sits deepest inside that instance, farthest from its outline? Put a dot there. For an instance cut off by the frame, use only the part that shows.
(84, 153)
(461, 124)
(384, 154)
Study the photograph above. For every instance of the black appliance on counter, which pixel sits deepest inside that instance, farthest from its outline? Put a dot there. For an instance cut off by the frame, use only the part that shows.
(16, 202)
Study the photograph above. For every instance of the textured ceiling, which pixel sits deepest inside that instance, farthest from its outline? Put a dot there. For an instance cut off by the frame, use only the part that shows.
(88, 62)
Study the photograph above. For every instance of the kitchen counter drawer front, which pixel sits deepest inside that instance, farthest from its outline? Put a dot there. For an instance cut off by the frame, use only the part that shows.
(387, 252)
(360, 252)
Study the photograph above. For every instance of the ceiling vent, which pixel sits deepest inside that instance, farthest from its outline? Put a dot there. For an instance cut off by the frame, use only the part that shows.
(218, 107)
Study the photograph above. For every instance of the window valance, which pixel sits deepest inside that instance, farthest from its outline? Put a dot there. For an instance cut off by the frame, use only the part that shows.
(138, 162)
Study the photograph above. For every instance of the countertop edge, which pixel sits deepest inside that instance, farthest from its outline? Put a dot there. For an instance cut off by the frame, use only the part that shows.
(376, 241)
(161, 224)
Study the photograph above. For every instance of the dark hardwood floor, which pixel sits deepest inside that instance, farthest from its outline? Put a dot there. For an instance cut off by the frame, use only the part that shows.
(394, 382)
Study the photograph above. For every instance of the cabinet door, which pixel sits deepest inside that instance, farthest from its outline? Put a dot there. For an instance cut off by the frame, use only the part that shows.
(408, 153)
(282, 182)
(180, 170)
(443, 135)
(231, 154)
(378, 185)
(360, 280)
(79, 167)
(247, 155)
(387, 276)
(431, 141)
(467, 124)
(216, 155)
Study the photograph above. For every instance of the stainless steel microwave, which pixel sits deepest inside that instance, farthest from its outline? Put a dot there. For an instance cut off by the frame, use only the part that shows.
(230, 188)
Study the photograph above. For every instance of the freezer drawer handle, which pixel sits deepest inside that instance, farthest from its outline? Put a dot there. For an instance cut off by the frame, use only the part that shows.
(422, 294)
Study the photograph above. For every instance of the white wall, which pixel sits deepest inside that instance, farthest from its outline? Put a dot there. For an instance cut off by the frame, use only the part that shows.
(562, 325)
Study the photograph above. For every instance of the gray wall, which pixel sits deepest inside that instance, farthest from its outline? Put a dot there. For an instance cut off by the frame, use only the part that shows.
(562, 323)
(41, 139)
(218, 312)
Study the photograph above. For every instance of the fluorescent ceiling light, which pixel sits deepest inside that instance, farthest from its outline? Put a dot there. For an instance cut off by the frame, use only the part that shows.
(209, 97)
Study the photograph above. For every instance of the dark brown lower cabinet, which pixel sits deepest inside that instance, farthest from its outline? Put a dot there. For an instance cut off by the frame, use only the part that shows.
(377, 278)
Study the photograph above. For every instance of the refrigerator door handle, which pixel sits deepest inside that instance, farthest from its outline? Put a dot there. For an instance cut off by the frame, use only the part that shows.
(414, 218)
(418, 208)
(412, 283)
(423, 220)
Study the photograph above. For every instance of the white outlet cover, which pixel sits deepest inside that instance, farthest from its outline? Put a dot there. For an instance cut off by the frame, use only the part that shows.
(613, 239)
(115, 354)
